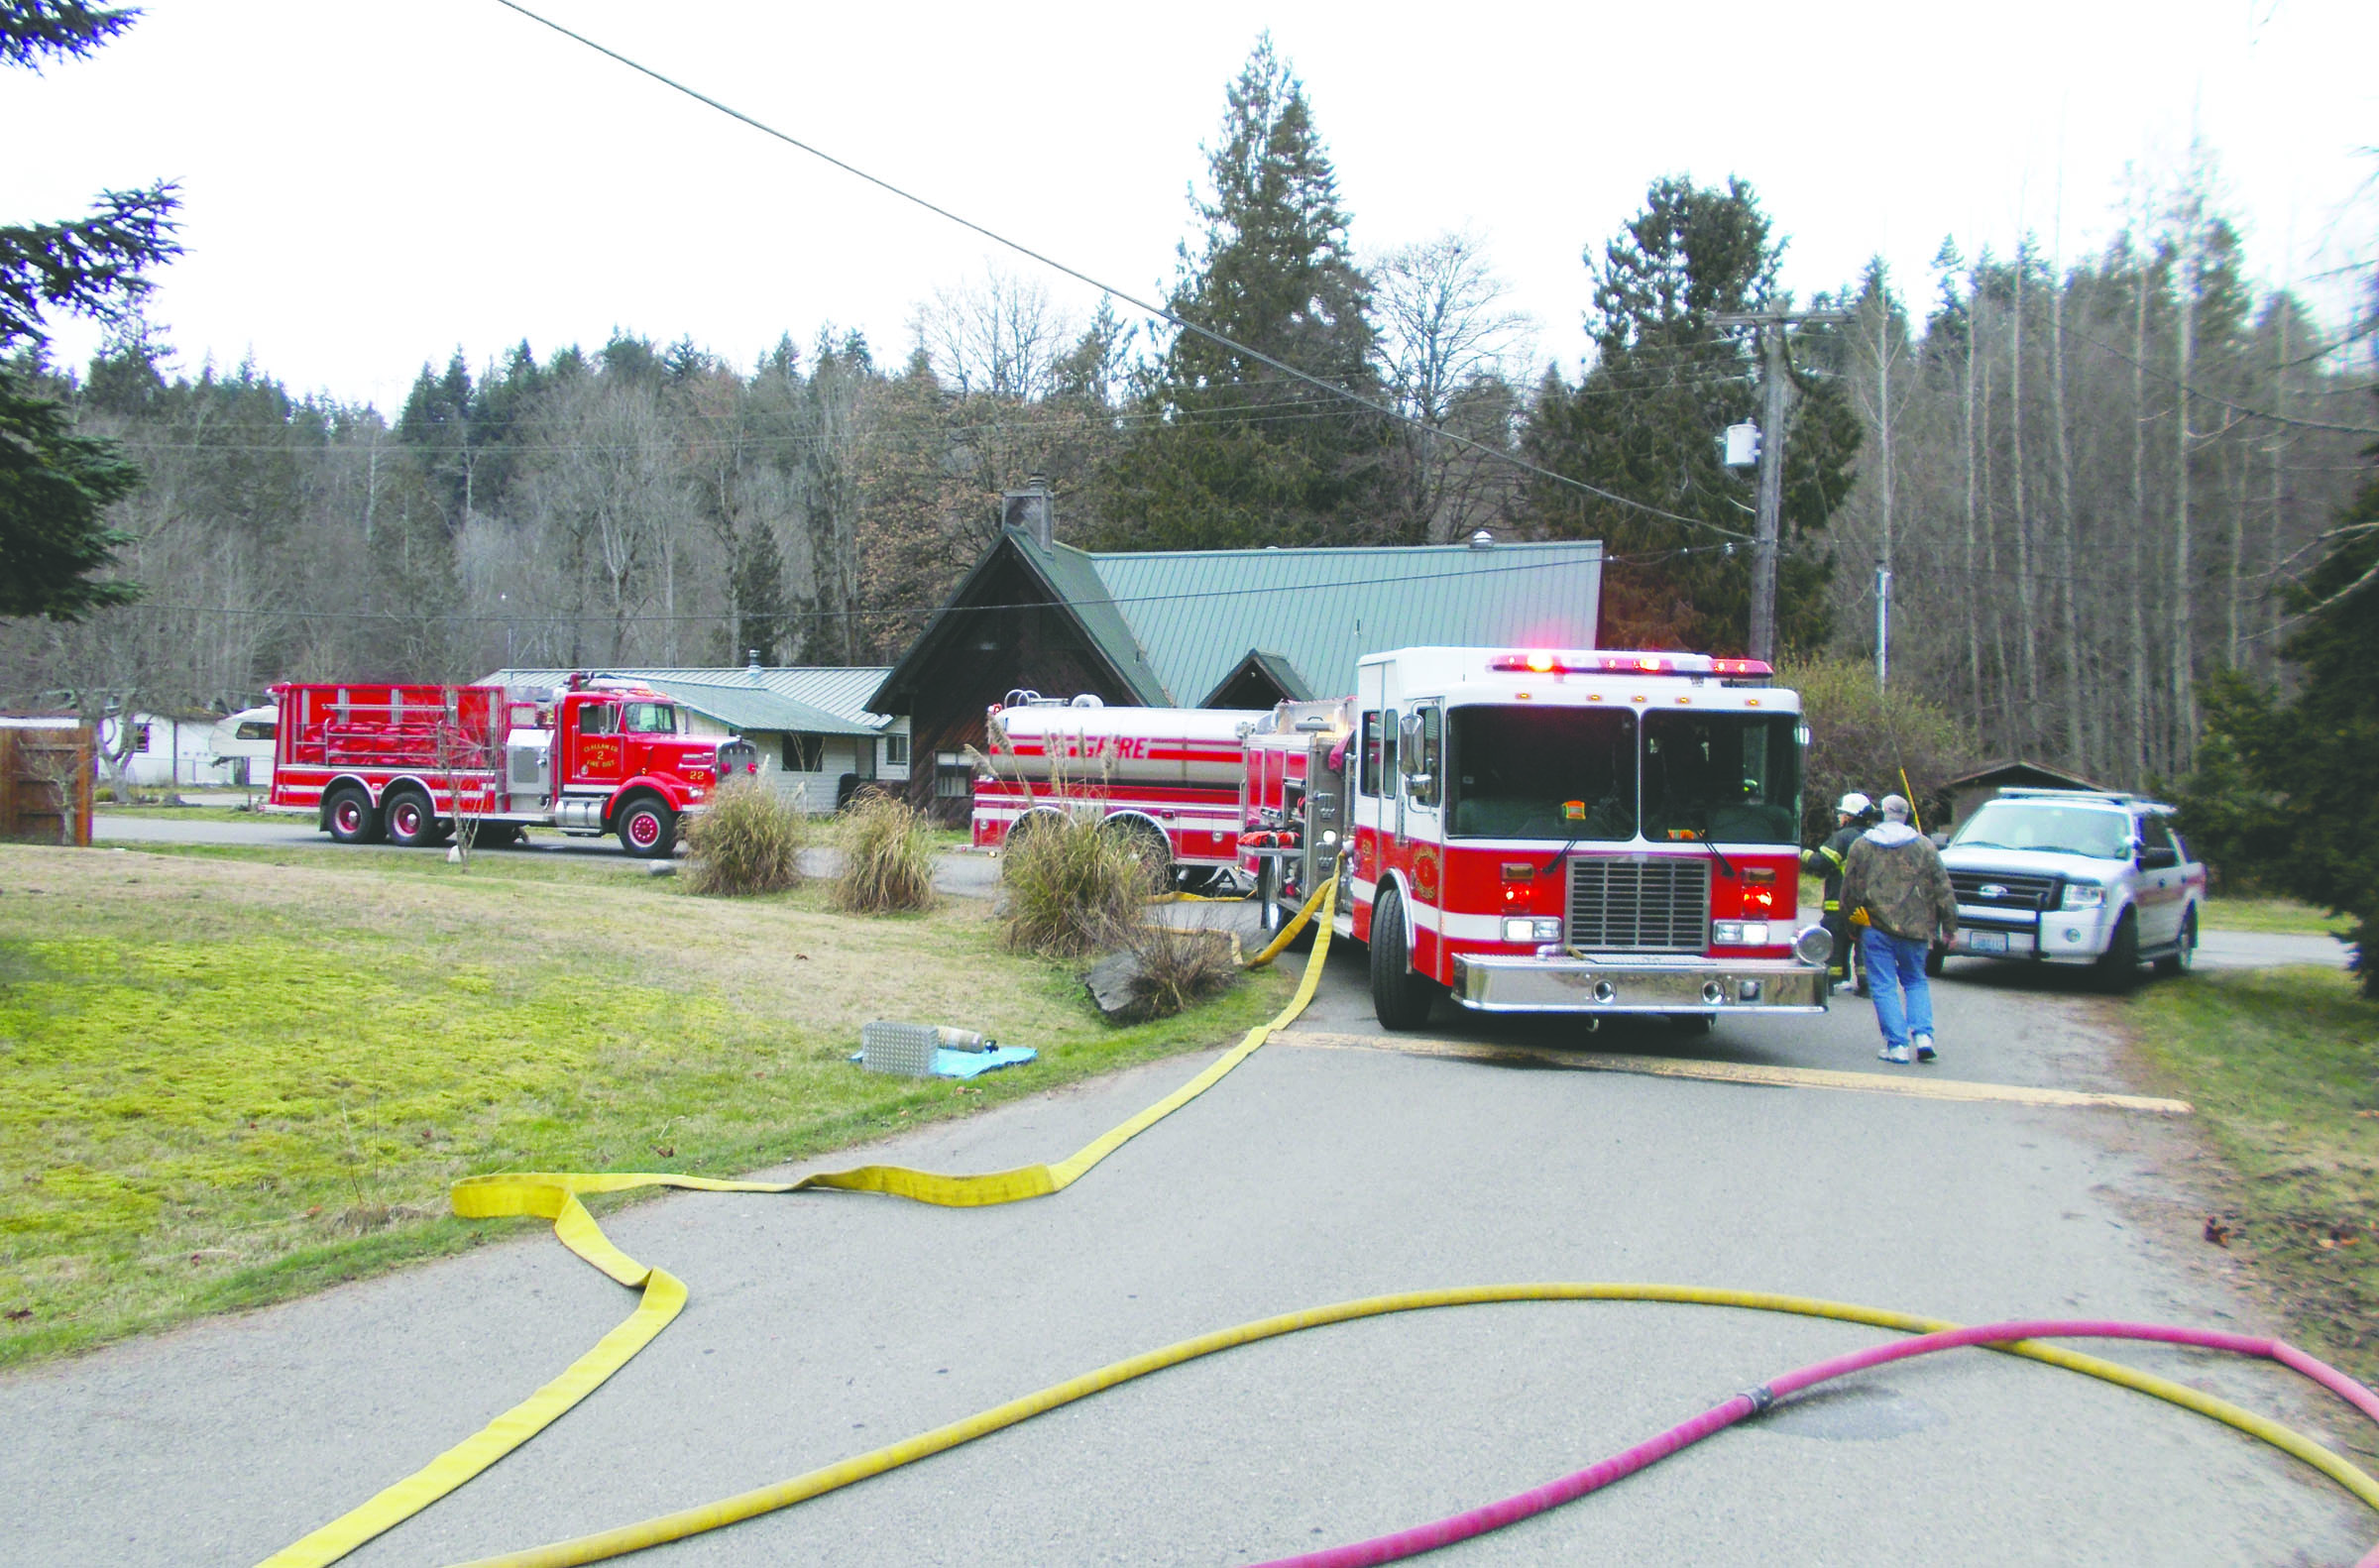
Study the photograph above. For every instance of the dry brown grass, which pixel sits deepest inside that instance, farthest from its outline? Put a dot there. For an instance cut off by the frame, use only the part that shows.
(1178, 970)
(1074, 887)
(887, 859)
(747, 841)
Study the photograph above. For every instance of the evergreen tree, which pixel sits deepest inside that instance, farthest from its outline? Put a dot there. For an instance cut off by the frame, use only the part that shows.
(1227, 450)
(1645, 420)
(2281, 793)
(56, 485)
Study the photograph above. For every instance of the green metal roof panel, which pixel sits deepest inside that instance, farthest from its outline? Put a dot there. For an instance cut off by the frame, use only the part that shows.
(1193, 615)
(1074, 575)
(738, 699)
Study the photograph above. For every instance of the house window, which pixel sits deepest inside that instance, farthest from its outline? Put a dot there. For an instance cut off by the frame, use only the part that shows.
(804, 753)
(896, 751)
(953, 778)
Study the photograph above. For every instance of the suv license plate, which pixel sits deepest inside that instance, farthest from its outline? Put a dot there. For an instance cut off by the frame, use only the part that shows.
(1987, 942)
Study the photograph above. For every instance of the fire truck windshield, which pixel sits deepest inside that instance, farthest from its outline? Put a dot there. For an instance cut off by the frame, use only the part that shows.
(1735, 779)
(649, 719)
(1562, 774)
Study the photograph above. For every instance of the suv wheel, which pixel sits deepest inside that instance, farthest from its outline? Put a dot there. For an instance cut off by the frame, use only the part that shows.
(2184, 956)
(2119, 967)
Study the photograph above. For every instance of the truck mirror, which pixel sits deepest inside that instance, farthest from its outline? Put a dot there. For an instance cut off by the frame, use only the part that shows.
(1419, 785)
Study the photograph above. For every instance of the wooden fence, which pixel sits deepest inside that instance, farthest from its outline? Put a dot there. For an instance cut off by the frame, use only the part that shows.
(45, 782)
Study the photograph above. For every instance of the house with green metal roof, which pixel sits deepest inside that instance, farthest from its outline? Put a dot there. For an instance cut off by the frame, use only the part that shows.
(1211, 628)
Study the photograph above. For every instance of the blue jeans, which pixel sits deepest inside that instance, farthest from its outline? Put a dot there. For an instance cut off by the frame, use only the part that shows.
(1896, 965)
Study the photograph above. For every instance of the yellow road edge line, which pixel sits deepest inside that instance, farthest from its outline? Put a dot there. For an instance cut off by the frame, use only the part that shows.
(1912, 1087)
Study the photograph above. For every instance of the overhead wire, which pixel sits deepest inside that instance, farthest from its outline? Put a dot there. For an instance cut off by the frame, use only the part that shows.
(1160, 312)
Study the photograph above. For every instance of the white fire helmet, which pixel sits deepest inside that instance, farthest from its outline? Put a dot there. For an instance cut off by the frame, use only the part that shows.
(1853, 804)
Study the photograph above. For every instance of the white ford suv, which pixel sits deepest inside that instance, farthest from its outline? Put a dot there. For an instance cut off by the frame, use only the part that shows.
(2075, 877)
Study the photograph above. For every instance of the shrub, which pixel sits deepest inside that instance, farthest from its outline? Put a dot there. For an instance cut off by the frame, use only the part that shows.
(1074, 887)
(1860, 736)
(750, 840)
(1179, 969)
(888, 857)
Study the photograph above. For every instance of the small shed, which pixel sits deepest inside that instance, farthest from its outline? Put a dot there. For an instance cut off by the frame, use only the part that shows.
(46, 780)
(1970, 790)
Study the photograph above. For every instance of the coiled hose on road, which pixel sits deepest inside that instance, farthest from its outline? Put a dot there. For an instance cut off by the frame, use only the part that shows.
(555, 1196)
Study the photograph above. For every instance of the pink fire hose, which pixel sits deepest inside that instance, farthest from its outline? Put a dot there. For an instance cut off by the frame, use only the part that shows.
(1494, 1516)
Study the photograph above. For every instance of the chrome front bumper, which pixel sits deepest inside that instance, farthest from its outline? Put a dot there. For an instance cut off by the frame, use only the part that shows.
(1496, 984)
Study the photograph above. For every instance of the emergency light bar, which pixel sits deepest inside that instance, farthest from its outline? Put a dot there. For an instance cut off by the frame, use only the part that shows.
(1544, 662)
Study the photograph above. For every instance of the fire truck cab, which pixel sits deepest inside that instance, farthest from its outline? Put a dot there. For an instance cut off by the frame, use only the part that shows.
(1562, 830)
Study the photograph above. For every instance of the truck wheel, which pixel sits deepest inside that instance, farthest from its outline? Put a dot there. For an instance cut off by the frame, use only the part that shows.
(648, 829)
(350, 816)
(412, 823)
(1150, 848)
(1399, 995)
(2119, 967)
(2182, 958)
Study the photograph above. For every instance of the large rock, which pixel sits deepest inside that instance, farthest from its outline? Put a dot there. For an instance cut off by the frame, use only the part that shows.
(1114, 984)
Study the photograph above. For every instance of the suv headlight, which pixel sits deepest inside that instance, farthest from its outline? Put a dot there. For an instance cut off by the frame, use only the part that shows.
(2083, 895)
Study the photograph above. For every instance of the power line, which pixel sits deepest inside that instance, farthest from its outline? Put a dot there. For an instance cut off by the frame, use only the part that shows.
(1158, 311)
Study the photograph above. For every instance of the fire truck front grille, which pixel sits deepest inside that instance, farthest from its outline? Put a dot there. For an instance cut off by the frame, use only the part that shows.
(1658, 905)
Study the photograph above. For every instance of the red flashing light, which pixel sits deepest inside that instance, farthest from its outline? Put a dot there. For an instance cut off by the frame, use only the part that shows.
(1740, 667)
(1541, 662)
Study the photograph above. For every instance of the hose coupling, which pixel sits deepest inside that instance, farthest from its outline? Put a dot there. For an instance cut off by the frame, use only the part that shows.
(1761, 1397)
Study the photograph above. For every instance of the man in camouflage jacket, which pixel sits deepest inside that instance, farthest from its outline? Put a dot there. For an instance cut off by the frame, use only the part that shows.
(1895, 879)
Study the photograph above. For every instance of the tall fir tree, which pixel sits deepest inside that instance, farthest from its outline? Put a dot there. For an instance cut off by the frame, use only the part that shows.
(1644, 419)
(56, 486)
(1226, 450)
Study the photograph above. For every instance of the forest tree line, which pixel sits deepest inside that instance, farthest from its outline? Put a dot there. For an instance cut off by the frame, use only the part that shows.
(2092, 480)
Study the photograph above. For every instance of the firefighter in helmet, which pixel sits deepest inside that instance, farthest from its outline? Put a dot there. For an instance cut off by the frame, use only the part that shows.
(1851, 816)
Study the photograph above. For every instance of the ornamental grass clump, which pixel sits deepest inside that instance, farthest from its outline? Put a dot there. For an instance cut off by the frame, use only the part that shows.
(1072, 887)
(749, 842)
(1177, 969)
(887, 859)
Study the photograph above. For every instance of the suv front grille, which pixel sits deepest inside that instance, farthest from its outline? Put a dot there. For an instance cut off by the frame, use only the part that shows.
(1658, 904)
(2027, 893)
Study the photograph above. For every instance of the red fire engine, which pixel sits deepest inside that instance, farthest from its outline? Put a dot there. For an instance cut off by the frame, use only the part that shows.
(1160, 772)
(1535, 830)
(403, 761)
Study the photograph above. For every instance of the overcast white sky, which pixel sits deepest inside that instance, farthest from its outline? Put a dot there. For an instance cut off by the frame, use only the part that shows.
(369, 186)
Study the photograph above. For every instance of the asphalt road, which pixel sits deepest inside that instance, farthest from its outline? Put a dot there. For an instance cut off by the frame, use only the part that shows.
(823, 1325)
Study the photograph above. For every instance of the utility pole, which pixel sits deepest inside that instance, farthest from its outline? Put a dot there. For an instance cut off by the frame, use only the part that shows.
(1775, 382)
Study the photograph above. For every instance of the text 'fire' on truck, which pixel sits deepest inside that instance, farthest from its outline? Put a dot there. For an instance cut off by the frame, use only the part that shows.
(406, 763)
(1548, 831)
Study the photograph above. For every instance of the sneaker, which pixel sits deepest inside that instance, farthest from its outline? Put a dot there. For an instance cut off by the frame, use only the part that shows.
(1894, 1054)
(1924, 1048)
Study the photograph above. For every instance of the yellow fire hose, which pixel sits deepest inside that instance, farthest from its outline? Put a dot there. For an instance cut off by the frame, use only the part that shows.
(555, 1196)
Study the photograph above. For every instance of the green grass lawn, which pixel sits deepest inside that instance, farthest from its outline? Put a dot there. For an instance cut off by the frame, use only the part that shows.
(2277, 916)
(235, 1076)
(2283, 1066)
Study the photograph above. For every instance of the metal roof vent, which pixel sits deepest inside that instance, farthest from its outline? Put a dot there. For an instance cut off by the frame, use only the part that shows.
(1482, 540)
(752, 667)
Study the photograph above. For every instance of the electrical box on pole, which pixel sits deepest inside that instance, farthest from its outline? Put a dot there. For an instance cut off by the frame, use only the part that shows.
(1775, 382)
(1742, 445)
